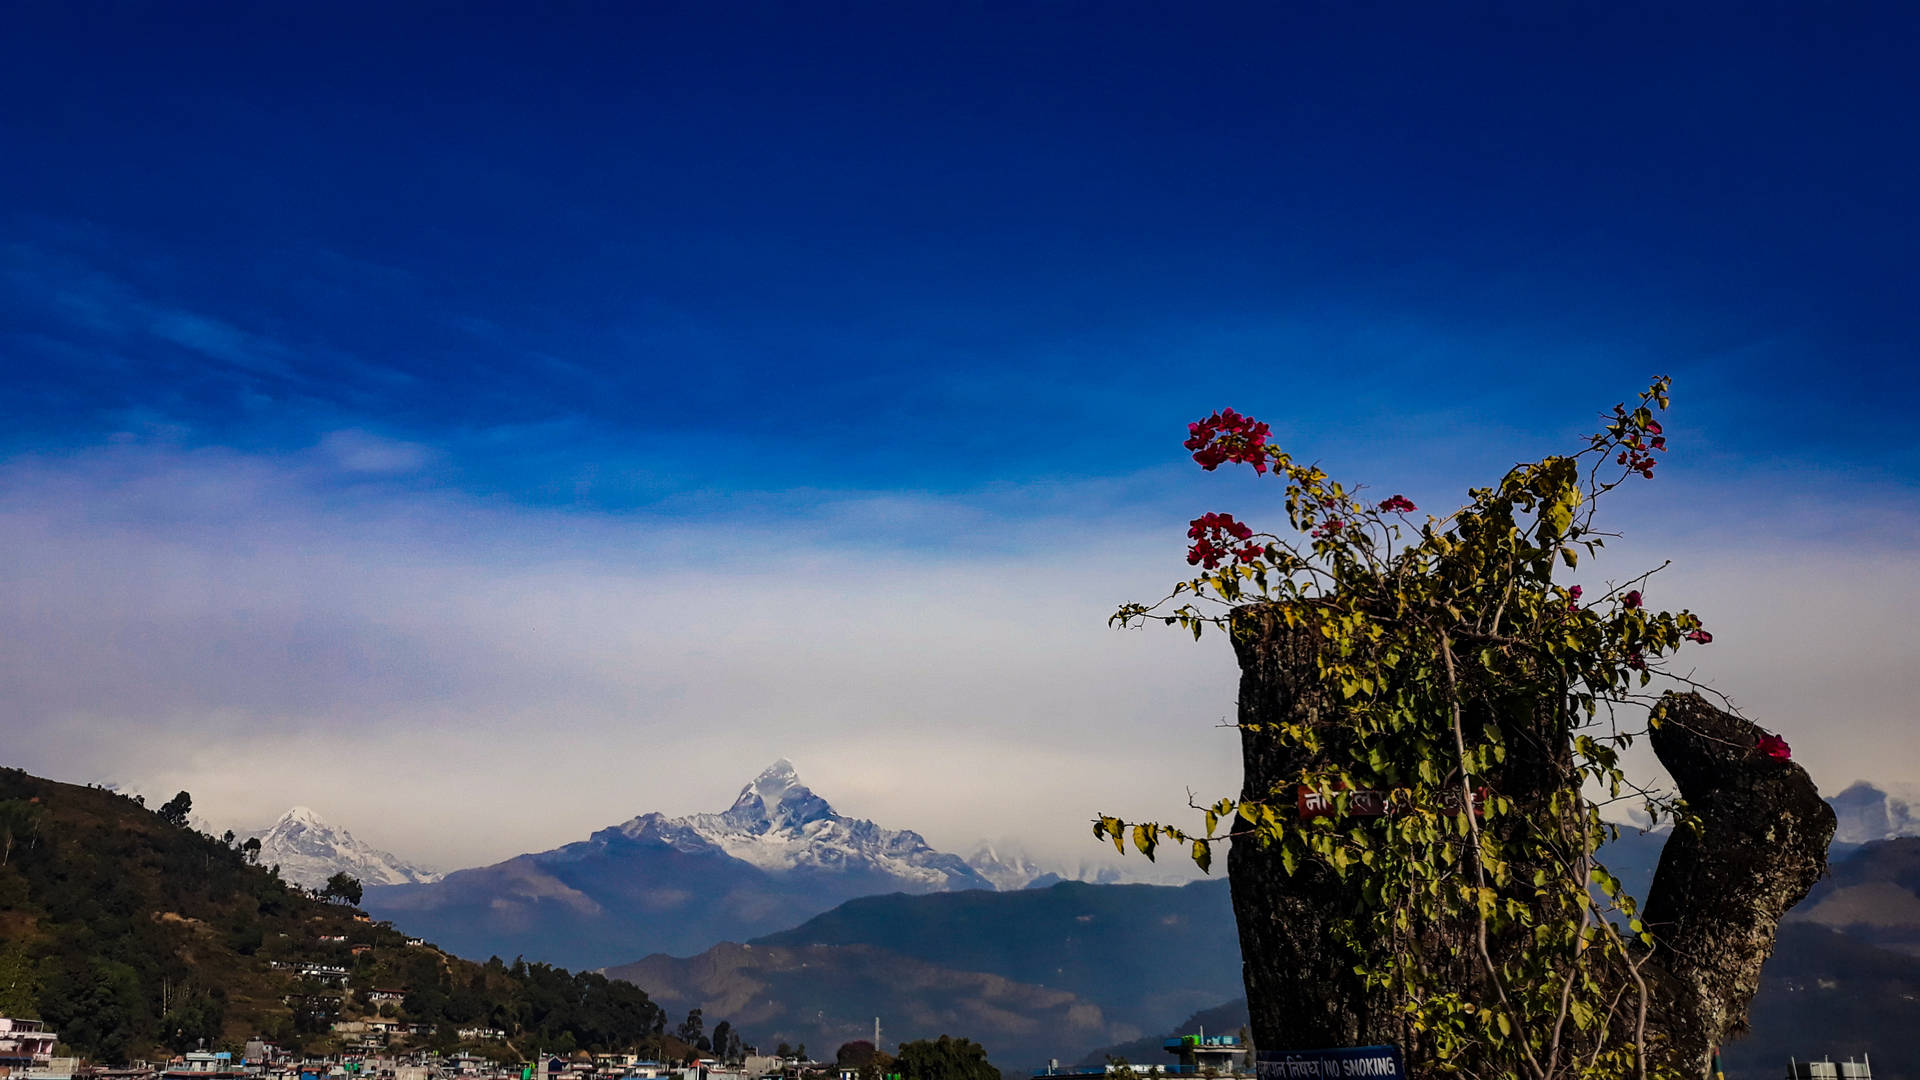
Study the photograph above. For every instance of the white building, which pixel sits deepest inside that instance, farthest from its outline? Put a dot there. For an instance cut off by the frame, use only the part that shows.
(26, 1050)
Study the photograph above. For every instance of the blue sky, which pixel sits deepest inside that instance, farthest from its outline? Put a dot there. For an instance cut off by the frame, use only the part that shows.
(798, 297)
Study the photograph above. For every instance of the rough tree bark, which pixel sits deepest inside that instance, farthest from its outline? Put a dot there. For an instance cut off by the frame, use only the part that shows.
(1714, 908)
(1719, 893)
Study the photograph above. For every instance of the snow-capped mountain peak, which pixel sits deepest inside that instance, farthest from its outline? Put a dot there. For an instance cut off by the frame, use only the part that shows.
(1868, 812)
(778, 824)
(309, 850)
(776, 801)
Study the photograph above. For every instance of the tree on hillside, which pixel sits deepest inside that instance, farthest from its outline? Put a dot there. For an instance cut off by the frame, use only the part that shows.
(19, 986)
(192, 1022)
(692, 1028)
(19, 824)
(343, 887)
(175, 810)
(945, 1058)
(95, 1003)
(721, 1032)
(852, 1055)
(251, 851)
(868, 1061)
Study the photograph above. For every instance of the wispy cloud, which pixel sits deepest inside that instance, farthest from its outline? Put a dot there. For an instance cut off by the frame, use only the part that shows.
(87, 301)
(215, 340)
(271, 630)
(365, 452)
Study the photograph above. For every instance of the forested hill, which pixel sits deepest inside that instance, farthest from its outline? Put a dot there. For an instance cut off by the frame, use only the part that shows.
(133, 935)
(1031, 975)
(1148, 954)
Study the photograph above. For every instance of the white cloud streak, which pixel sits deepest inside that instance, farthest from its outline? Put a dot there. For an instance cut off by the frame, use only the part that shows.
(460, 679)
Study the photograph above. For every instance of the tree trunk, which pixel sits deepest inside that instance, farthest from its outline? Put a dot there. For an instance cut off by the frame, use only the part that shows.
(1719, 893)
(1301, 988)
(1715, 905)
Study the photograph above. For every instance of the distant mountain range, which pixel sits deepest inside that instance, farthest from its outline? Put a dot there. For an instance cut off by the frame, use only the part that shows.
(1079, 971)
(844, 920)
(1008, 869)
(1032, 974)
(309, 850)
(1868, 813)
(778, 856)
(1871, 896)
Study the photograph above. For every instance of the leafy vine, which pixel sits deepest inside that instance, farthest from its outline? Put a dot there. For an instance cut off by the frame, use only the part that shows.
(1508, 946)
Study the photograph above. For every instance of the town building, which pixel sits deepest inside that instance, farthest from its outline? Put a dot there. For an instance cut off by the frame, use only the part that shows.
(1830, 1069)
(26, 1051)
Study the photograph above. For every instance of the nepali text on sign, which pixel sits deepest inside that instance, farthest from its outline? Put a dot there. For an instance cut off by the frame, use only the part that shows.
(1367, 802)
(1343, 1063)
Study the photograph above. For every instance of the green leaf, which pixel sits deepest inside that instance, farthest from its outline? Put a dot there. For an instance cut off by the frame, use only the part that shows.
(1559, 517)
(1144, 838)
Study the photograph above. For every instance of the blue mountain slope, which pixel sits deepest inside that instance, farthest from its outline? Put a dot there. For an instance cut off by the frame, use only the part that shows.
(778, 856)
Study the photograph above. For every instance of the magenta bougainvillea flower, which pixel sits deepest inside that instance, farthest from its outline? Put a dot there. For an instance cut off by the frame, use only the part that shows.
(1227, 436)
(1774, 747)
(1213, 537)
(1398, 504)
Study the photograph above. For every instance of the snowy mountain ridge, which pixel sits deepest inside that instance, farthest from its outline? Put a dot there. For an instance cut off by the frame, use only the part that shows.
(1870, 812)
(1011, 867)
(779, 825)
(309, 850)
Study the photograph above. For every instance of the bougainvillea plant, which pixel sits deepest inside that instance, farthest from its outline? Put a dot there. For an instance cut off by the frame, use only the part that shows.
(1428, 626)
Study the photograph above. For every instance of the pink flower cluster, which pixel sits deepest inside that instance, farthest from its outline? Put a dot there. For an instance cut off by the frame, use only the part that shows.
(1638, 454)
(1774, 747)
(1327, 528)
(1573, 599)
(1227, 436)
(1700, 637)
(1632, 599)
(1213, 538)
(1399, 504)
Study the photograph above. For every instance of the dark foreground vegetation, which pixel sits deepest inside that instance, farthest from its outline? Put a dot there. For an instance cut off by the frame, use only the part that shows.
(132, 934)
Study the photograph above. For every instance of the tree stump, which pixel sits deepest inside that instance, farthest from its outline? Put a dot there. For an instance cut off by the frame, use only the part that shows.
(1714, 909)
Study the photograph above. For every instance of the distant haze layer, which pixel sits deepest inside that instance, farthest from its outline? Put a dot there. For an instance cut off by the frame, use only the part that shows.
(458, 683)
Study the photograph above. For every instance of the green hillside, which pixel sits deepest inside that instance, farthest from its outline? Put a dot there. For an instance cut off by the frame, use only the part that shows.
(1032, 975)
(826, 995)
(1148, 954)
(134, 936)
